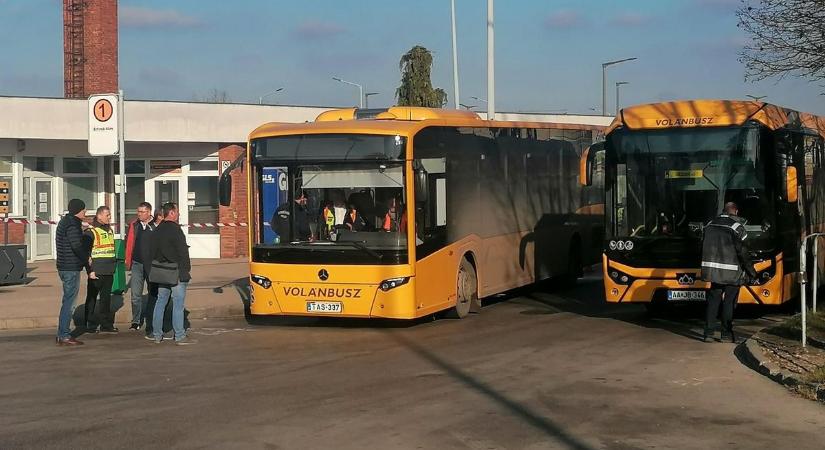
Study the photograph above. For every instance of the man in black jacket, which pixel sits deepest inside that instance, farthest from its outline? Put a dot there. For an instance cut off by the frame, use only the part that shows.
(726, 264)
(72, 257)
(168, 245)
(282, 222)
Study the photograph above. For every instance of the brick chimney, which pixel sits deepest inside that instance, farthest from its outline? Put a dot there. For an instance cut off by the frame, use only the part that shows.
(89, 47)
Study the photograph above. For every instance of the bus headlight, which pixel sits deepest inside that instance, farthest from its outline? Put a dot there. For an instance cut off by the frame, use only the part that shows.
(261, 281)
(619, 277)
(765, 275)
(393, 283)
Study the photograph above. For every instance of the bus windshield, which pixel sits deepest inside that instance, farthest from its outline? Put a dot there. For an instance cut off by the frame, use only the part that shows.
(335, 212)
(672, 182)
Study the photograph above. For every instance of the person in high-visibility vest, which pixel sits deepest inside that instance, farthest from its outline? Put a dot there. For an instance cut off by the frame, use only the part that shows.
(101, 274)
(395, 219)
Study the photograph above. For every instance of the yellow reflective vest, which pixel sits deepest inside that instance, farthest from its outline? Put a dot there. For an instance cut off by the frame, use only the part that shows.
(103, 246)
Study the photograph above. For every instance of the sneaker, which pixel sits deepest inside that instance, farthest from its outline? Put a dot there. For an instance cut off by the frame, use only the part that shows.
(135, 326)
(90, 330)
(109, 330)
(149, 337)
(68, 341)
(186, 341)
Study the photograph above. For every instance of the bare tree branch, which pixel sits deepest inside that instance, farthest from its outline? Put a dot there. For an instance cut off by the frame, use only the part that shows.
(787, 38)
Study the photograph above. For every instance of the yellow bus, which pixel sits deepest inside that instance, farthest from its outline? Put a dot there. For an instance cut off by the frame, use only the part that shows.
(668, 170)
(406, 212)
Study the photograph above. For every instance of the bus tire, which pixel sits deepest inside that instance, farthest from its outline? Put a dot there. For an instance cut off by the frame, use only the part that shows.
(466, 290)
(574, 264)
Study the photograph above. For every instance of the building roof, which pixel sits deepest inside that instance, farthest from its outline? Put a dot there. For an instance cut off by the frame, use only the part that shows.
(172, 121)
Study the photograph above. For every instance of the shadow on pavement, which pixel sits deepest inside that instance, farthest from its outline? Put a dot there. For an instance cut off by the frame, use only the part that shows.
(586, 298)
(523, 412)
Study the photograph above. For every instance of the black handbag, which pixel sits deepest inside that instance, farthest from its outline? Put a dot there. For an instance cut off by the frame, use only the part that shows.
(164, 273)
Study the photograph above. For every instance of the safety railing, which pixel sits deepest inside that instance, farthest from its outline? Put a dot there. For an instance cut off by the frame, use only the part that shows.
(803, 279)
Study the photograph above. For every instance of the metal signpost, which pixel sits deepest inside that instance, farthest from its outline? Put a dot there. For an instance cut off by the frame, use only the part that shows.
(106, 139)
(803, 251)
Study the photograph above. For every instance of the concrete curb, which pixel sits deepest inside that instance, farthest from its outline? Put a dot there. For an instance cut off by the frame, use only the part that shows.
(212, 312)
(754, 357)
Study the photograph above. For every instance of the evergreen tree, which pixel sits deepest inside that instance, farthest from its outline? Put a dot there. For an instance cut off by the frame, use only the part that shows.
(416, 87)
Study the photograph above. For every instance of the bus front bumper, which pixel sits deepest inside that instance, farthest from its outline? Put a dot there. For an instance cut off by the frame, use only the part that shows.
(646, 285)
(303, 297)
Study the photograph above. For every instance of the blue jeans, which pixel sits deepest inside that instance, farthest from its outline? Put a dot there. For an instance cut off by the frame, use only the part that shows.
(178, 294)
(136, 286)
(71, 283)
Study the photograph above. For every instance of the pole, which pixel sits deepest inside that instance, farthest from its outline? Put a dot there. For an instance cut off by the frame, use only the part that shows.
(361, 96)
(816, 272)
(617, 99)
(455, 57)
(804, 304)
(122, 155)
(604, 90)
(491, 73)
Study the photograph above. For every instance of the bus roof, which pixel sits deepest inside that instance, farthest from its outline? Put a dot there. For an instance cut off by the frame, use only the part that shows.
(405, 121)
(714, 113)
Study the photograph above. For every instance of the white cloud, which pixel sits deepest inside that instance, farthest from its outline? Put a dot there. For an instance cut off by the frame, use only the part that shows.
(315, 30)
(138, 17)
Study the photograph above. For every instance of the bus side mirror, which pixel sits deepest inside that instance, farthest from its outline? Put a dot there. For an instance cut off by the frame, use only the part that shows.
(586, 167)
(422, 188)
(791, 187)
(225, 188)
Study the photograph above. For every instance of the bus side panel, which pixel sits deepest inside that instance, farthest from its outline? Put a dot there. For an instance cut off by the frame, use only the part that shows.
(507, 262)
(436, 276)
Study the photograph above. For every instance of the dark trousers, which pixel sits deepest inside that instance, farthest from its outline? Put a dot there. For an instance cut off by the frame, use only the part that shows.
(726, 295)
(99, 310)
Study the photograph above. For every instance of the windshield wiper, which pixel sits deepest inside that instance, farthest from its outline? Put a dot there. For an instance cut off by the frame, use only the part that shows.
(364, 248)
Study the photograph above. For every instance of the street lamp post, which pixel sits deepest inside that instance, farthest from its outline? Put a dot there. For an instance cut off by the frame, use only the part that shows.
(367, 98)
(619, 83)
(467, 107)
(756, 98)
(605, 65)
(261, 98)
(455, 56)
(479, 99)
(491, 72)
(360, 90)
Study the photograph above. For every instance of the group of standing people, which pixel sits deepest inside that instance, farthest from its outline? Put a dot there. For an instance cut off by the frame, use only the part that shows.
(150, 241)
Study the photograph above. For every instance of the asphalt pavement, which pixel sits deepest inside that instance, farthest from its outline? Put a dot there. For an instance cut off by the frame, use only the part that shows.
(540, 368)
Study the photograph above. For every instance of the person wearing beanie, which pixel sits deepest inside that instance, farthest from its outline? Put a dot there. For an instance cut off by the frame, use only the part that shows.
(72, 257)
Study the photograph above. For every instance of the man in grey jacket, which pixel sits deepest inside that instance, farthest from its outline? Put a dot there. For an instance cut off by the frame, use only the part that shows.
(72, 257)
(726, 264)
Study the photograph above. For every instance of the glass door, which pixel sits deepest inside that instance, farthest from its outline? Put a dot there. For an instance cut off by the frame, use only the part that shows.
(166, 191)
(38, 204)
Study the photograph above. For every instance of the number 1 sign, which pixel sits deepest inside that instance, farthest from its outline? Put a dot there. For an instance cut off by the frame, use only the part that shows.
(103, 125)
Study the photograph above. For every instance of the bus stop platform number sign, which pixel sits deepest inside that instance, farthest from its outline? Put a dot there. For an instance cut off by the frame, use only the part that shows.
(103, 125)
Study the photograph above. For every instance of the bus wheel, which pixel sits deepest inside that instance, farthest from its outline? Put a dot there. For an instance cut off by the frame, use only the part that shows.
(574, 264)
(466, 290)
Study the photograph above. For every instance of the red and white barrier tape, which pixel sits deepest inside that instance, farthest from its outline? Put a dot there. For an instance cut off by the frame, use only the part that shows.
(190, 225)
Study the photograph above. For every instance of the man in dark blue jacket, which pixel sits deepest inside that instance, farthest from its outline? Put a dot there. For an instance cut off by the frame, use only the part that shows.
(726, 264)
(72, 257)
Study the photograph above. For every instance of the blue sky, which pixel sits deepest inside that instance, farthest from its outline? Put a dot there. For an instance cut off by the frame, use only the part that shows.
(548, 52)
